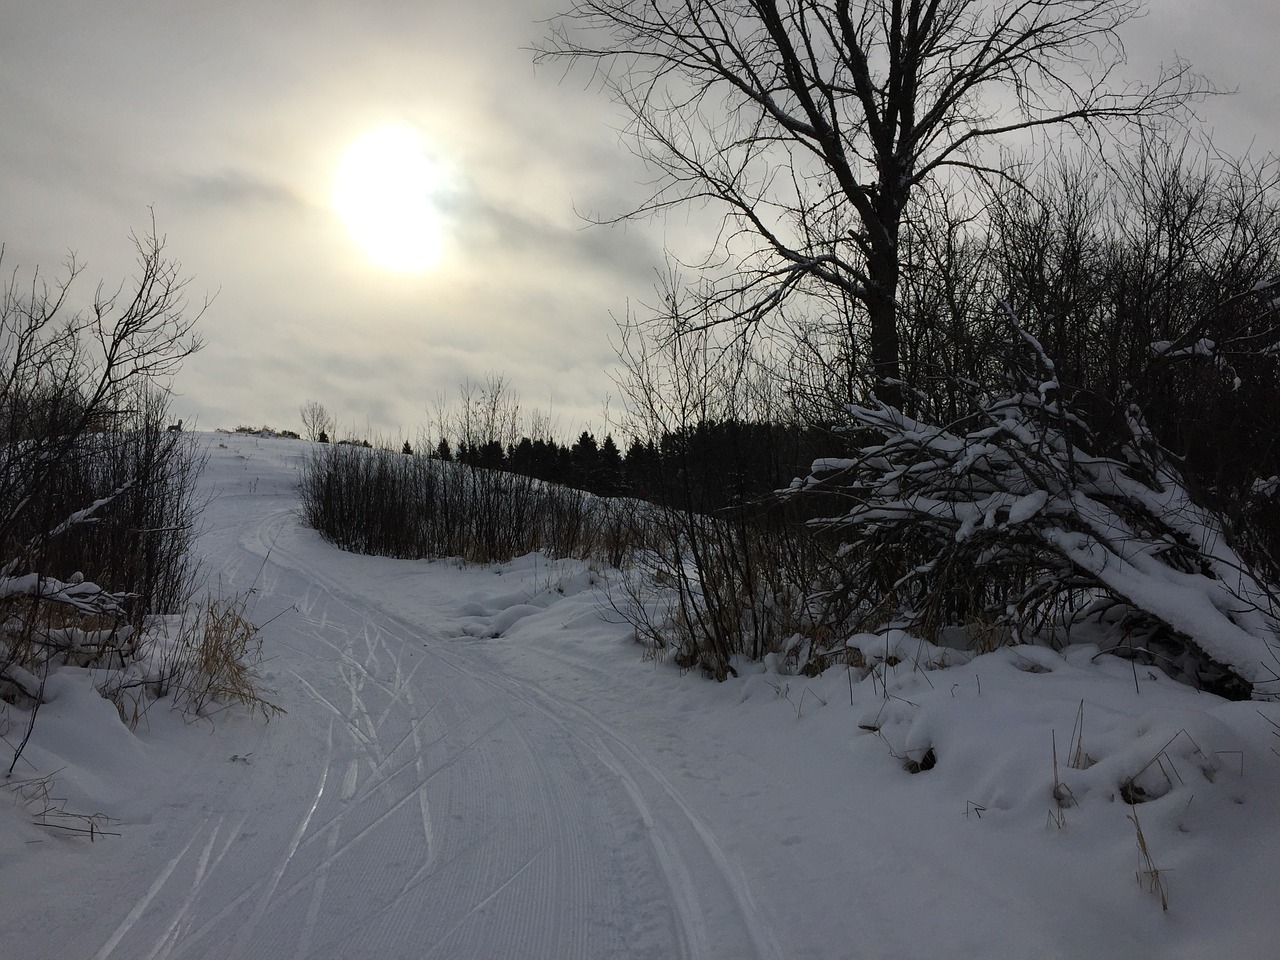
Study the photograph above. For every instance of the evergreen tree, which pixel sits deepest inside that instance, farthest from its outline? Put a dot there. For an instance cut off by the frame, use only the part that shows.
(584, 459)
(609, 480)
(520, 458)
(490, 455)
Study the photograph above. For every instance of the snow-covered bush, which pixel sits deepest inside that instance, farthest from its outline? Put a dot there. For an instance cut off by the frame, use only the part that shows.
(1023, 518)
(97, 507)
(204, 659)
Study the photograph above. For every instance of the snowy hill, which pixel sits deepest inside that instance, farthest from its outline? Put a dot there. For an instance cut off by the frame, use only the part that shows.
(479, 762)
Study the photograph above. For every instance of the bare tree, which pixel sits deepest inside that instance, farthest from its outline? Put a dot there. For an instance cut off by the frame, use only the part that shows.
(316, 420)
(814, 125)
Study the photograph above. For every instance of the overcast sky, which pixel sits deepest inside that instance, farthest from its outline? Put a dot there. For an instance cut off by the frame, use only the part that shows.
(230, 118)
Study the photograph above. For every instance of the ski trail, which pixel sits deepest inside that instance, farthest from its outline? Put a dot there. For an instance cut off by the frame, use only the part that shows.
(336, 820)
(667, 845)
(424, 806)
(415, 882)
(140, 907)
(485, 902)
(686, 898)
(507, 766)
(320, 881)
(182, 917)
(333, 708)
(265, 900)
(692, 939)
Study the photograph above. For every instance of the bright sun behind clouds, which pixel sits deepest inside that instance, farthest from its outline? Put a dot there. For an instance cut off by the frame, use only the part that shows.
(384, 189)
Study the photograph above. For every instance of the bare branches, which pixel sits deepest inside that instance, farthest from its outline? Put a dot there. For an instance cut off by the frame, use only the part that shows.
(1021, 514)
(150, 335)
(317, 422)
(861, 104)
(65, 376)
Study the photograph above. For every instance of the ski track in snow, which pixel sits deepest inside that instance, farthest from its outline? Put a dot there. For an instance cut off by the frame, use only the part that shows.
(684, 846)
(452, 811)
(456, 779)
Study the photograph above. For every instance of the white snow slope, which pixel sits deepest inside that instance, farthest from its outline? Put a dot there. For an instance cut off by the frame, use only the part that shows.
(480, 763)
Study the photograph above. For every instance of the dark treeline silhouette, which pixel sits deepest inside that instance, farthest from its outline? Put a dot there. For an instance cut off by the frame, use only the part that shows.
(707, 467)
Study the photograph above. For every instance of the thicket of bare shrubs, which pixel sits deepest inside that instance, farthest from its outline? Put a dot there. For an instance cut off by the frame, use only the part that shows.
(372, 500)
(706, 589)
(98, 500)
(726, 570)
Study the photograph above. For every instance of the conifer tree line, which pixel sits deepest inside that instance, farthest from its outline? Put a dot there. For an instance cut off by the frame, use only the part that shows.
(717, 463)
(585, 464)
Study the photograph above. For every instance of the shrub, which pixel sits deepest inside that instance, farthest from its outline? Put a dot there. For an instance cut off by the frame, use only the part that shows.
(1028, 514)
(97, 497)
(375, 501)
(206, 660)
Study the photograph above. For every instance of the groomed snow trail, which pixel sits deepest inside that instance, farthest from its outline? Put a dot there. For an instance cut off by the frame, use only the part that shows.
(413, 802)
(479, 764)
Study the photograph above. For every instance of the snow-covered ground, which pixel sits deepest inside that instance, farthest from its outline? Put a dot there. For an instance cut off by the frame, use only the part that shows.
(480, 763)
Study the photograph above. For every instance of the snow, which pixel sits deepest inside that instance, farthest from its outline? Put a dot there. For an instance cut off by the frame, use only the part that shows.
(479, 762)
(1024, 508)
(1204, 347)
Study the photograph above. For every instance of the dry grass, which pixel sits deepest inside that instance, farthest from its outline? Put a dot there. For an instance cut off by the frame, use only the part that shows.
(1147, 870)
(1062, 795)
(215, 662)
(36, 796)
(1077, 759)
(984, 633)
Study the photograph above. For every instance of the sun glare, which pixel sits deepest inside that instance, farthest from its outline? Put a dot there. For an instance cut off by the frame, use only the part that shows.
(384, 190)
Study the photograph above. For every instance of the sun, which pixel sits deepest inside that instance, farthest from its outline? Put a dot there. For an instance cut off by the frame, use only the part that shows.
(384, 190)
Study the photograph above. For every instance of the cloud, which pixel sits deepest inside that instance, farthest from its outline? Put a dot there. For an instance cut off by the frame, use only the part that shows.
(228, 118)
(236, 188)
(533, 242)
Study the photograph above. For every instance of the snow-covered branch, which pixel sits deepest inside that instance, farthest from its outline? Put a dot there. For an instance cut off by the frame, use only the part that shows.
(79, 593)
(1024, 513)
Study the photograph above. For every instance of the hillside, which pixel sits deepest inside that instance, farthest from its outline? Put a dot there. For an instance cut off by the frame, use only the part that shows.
(479, 762)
